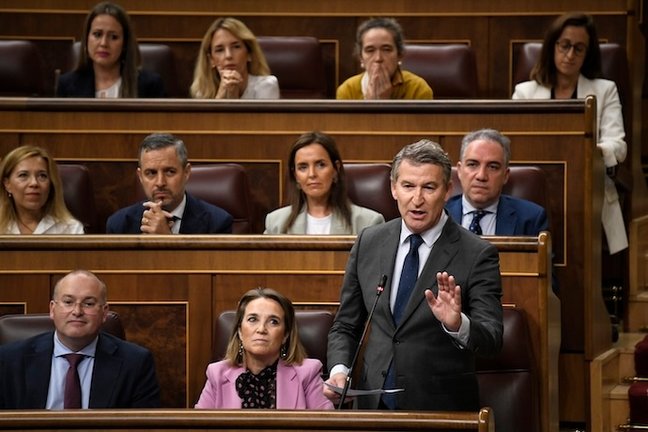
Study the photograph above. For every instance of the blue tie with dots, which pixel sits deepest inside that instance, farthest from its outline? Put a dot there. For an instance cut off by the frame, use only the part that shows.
(474, 224)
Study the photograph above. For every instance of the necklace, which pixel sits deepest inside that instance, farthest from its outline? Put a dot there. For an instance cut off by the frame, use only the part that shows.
(30, 230)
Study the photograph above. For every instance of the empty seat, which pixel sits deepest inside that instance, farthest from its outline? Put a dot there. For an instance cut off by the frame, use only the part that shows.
(313, 326)
(369, 185)
(19, 327)
(507, 381)
(21, 69)
(450, 69)
(79, 194)
(225, 186)
(297, 63)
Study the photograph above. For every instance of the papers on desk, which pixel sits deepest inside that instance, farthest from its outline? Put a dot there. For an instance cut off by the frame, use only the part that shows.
(354, 392)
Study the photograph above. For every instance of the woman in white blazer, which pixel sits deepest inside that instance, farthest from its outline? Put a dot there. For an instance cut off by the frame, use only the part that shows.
(319, 203)
(569, 67)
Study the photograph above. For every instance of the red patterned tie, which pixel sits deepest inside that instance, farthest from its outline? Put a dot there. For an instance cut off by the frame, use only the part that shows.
(72, 395)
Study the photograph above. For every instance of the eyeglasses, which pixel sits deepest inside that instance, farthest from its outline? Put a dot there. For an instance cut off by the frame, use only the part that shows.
(564, 46)
(89, 307)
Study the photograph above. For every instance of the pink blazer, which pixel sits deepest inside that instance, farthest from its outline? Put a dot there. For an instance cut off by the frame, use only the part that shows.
(298, 386)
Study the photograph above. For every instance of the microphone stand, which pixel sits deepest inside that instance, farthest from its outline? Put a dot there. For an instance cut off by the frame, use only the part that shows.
(347, 384)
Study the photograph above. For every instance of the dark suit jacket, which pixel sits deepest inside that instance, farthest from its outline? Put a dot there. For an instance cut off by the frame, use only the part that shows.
(199, 218)
(123, 377)
(515, 216)
(434, 371)
(82, 84)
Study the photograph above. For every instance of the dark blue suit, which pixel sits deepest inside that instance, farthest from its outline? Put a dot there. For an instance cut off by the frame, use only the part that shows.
(81, 84)
(515, 216)
(123, 377)
(199, 218)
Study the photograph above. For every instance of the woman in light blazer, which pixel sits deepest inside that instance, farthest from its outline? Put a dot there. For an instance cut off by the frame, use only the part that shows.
(319, 203)
(265, 366)
(569, 67)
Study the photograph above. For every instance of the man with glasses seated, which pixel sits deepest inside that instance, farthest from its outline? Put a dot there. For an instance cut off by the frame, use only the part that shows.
(77, 366)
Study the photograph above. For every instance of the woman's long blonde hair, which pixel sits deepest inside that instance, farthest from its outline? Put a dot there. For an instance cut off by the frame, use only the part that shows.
(206, 79)
(54, 206)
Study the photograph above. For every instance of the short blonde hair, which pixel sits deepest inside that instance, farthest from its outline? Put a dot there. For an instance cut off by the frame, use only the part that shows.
(206, 80)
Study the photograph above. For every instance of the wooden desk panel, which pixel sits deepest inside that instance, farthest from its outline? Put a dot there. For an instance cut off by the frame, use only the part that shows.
(239, 420)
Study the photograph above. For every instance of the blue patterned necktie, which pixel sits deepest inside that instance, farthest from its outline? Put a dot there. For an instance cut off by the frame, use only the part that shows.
(408, 278)
(474, 224)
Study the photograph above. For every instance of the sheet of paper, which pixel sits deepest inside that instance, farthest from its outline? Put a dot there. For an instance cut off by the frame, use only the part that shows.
(357, 392)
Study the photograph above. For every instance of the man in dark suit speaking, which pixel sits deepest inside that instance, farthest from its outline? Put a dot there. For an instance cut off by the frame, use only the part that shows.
(77, 366)
(163, 172)
(441, 304)
(483, 170)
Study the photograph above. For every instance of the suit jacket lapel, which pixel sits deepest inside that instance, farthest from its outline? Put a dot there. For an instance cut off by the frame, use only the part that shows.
(105, 374)
(38, 367)
(387, 261)
(287, 386)
(191, 218)
(506, 219)
(299, 226)
(338, 227)
(231, 398)
(445, 248)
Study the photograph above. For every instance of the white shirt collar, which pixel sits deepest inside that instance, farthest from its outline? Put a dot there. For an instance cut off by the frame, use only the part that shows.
(430, 236)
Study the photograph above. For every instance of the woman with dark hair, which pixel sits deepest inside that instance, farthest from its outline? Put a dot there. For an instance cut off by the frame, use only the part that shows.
(380, 48)
(109, 60)
(231, 65)
(319, 203)
(569, 68)
(265, 365)
(32, 202)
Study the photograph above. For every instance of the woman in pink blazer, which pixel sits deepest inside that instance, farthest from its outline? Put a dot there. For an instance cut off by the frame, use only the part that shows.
(265, 364)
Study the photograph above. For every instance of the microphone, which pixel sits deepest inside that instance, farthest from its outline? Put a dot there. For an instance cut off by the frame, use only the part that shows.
(347, 384)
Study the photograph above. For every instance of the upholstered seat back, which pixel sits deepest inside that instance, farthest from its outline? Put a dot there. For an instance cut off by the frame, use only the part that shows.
(369, 185)
(313, 326)
(19, 327)
(507, 382)
(450, 69)
(526, 182)
(79, 194)
(297, 63)
(225, 186)
(21, 69)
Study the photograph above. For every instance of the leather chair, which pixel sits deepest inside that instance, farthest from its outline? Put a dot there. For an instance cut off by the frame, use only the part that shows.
(223, 185)
(507, 381)
(19, 327)
(156, 58)
(450, 69)
(369, 185)
(79, 194)
(313, 326)
(297, 63)
(526, 182)
(21, 69)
